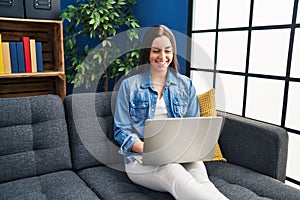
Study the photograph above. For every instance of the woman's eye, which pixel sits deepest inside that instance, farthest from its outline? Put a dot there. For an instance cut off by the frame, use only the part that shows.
(165, 51)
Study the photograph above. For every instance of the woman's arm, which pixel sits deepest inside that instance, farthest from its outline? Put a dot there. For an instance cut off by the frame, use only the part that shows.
(122, 123)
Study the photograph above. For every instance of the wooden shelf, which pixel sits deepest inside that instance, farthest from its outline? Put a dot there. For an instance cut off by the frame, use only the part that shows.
(38, 74)
(52, 80)
(28, 20)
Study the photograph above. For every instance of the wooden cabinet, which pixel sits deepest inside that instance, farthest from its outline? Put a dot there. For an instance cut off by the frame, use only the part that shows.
(53, 79)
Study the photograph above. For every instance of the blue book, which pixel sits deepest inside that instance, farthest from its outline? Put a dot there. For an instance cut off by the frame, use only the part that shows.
(39, 56)
(21, 58)
(13, 57)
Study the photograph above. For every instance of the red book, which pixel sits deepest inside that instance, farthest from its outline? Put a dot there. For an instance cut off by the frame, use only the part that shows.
(26, 44)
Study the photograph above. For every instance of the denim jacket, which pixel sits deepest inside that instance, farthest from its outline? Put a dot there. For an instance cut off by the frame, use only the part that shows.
(136, 102)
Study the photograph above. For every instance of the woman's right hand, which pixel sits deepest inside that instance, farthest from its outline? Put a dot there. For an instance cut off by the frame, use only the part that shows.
(138, 147)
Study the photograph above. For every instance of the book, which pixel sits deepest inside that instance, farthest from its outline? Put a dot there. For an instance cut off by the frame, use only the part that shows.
(6, 57)
(26, 45)
(39, 56)
(33, 55)
(20, 55)
(1, 57)
(13, 57)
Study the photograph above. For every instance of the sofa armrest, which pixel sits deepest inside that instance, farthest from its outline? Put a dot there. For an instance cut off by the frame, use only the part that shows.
(255, 145)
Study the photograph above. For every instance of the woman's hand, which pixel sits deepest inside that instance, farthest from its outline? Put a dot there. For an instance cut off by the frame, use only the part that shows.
(138, 147)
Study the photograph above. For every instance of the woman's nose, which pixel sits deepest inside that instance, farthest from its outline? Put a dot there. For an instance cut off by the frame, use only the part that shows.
(162, 54)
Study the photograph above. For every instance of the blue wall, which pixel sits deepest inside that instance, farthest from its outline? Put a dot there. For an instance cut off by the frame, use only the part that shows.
(172, 13)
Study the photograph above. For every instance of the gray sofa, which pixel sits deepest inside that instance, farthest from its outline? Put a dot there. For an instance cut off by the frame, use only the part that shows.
(51, 149)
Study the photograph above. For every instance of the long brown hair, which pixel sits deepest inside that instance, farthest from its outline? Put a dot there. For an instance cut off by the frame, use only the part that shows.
(152, 33)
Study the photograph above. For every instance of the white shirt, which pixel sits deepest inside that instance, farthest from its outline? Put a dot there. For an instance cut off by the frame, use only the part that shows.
(161, 110)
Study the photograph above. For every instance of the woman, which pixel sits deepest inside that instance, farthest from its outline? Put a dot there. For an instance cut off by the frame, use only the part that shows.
(159, 91)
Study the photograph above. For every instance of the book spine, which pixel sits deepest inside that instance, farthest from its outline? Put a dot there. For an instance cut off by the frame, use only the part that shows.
(33, 55)
(26, 45)
(21, 59)
(13, 57)
(6, 57)
(39, 56)
(1, 57)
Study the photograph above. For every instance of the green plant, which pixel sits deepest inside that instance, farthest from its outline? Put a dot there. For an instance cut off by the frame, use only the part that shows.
(99, 20)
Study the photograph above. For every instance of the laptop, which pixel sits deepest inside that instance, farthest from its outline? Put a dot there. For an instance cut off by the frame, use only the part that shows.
(180, 140)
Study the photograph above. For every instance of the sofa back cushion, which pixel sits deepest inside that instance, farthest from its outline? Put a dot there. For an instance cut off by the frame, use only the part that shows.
(33, 137)
(90, 125)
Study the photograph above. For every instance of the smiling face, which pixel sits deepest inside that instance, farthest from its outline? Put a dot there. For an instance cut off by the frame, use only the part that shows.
(161, 53)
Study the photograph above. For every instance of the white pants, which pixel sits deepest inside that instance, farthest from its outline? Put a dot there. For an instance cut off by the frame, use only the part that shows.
(184, 181)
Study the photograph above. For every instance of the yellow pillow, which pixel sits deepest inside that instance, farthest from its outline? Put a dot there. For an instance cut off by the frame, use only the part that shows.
(207, 102)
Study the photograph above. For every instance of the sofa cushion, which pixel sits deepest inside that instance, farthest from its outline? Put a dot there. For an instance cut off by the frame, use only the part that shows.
(234, 191)
(90, 125)
(207, 103)
(33, 137)
(109, 183)
(255, 145)
(236, 182)
(57, 185)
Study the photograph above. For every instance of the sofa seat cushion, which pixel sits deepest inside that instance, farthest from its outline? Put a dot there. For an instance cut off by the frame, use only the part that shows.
(57, 185)
(109, 183)
(234, 191)
(237, 182)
